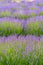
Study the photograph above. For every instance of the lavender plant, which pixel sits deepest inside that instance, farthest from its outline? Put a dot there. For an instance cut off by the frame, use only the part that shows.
(21, 10)
(21, 50)
(34, 26)
(10, 27)
(17, 19)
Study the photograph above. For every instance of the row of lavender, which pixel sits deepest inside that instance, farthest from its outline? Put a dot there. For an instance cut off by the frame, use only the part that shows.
(31, 43)
(22, 10)
(12, 26)
(21, 50)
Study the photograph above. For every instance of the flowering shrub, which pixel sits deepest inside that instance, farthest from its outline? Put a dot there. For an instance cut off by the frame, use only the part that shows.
(21, 32)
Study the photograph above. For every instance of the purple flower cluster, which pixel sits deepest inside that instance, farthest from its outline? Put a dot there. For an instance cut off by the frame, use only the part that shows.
(31, 42)
(22, 9)
(21, 26)
(21, 32)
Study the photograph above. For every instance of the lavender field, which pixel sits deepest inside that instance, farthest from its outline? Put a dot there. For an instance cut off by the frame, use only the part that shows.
(21, 32)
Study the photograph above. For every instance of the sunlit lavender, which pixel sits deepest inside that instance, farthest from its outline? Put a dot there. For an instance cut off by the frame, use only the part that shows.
(21, 32)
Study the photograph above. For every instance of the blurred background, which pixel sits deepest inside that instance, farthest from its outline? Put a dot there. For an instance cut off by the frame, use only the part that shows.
(15, 0)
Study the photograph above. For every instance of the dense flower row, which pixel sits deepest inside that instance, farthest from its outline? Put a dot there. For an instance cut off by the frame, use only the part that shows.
(17, 49)
(10, 26)
(21, 10)
(21, 50)
(29, 42)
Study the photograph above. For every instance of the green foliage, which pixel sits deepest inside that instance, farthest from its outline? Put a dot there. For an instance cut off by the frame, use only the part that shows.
(12, 28)
(14, 58)
(33, 14)
(5, 13)
(33, 8)
(17, 15)
(41, 13)
(8, 28)
(15, 55)
(39, 4)
(35, 28)
(23, 17)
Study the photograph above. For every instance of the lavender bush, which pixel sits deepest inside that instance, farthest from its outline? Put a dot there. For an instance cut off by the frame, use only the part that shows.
(21, 50)
(8, 27)
(21, 10)
(11, 26)
(34, 26)
(22, 23)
